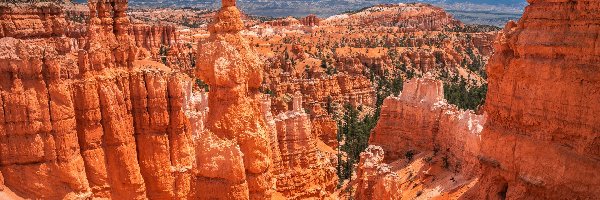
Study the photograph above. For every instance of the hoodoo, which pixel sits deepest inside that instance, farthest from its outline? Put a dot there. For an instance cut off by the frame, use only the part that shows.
(233, 154)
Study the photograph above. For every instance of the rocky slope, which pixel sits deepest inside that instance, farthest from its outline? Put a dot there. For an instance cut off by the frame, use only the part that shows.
(419, 119)
(420, 142)
(379, 43)
(319, 93)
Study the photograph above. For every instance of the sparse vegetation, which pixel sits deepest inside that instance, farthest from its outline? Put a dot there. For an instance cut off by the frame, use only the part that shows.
(162, 53)
(202, 85)
(409, 154)
(353, 133)
(465, 96)
(419, 193)
(445, 162)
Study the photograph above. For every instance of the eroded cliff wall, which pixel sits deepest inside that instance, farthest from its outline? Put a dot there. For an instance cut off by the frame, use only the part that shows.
(421, 145)
(93, 123)
(420, 119)
(542, 138)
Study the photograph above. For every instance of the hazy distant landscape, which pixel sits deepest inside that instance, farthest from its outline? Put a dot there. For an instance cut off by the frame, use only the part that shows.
(488, 12)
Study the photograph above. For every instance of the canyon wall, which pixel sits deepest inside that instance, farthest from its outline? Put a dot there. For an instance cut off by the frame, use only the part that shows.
(325, 128)
(93, 123)
(92, 120)
(310, 20)
(542, 137)
(160, 42)
(289, 21)
(409, 17)
(153, 36)
(40, 21)
(154, 41)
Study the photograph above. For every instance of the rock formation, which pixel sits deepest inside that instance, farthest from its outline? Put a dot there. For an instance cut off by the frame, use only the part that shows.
(409, 17)
(304, 171)
(310, 20)
(289, 21)
(444, 141)
(96, 122)
(542, 140)
(233, 154)
(22, 21)
(340, 89)
(325, 128)
(91, 124)
(155, 40)
(84, 118)
(420, 119)
(153, 36)
(375, 178)
(360, 48)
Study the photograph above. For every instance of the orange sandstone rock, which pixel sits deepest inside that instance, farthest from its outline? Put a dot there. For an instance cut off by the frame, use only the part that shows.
(310, 20)
(95, 124)
(340, 89)
(305, 171)
(411, 126)
(420, 119)
(236, 162)
(542, 140)
(410, 17)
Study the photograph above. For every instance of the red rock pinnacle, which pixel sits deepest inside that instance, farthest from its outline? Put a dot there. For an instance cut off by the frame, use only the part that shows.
(233, 153)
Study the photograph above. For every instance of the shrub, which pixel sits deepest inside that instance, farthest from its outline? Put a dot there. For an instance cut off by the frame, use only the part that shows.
(409, 154)
(446, 163)
(419, 193)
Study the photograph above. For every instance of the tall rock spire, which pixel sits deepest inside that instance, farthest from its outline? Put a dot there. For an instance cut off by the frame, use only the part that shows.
(233, 157)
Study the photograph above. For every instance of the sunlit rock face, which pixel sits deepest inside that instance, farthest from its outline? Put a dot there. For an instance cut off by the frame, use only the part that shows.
(233, 154)
(420, 136)
(102, 120)
(540, 136)
(93, 122)
(420, 119)
(542, 140)
(305, 171)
